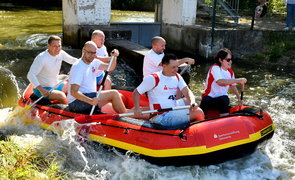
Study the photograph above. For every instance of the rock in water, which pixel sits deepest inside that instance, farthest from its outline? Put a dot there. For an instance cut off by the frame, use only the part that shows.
(9, 92)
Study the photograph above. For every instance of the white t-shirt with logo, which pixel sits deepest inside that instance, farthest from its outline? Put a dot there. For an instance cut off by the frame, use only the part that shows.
(83, 75)
(215, 73)
(164, 94)
(151, 62)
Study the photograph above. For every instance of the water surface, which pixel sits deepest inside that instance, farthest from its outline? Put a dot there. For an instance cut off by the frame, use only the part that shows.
(23, 35)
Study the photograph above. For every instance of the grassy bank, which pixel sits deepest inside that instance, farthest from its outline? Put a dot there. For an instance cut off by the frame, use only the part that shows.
(26, 163)
(278, 51)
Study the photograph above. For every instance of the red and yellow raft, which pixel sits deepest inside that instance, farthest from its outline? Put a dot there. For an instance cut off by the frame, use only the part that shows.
(205, 142)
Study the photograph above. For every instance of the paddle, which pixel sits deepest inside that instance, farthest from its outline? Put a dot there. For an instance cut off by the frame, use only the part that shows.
(92, 118)
(102, 82)
(184, 69)
(28, 107)
(242, 92)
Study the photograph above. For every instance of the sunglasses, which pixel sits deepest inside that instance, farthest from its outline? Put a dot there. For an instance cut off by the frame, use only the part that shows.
(228, 59)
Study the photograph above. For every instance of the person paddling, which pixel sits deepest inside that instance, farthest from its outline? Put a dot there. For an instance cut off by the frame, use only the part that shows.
(220, 77)
(161, 88)
(44, 71)
(98, 38)
(152, 60)
(82, 84)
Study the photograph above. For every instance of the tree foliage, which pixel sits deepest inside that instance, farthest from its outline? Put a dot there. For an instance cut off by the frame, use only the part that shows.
(274, 6)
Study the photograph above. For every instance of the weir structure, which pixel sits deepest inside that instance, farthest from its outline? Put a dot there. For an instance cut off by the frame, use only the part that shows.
(83, 16)
(174, 20)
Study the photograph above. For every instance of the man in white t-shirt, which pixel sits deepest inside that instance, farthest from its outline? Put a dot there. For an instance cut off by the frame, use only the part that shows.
(152, 60)
(161, 88)
(82, 84)
(45, 69)
(98, 38)
(219, 79)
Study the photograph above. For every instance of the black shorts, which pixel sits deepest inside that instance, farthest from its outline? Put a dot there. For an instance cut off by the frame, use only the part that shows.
(220, 103)
(83, 107)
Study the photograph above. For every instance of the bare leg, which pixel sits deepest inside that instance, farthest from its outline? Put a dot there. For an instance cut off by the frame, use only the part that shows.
(113, 97)
(196, 114)
(108, 84)
(59, 96)
(65, 87)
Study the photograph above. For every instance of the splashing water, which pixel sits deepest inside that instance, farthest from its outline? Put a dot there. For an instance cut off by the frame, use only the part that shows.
(94, 161)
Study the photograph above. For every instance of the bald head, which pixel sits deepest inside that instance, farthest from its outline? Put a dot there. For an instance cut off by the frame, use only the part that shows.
(89, 44)
(97, 33)
(98, 38)
(158, 44)
(157, 39)
(89, 52)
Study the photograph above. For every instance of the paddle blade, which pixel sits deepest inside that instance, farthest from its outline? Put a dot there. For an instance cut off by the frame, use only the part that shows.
(94, 118)
(21, 112)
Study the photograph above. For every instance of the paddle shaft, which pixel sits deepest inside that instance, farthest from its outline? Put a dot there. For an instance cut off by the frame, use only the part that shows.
(184, 69)
(102, 82)
(94, 118)
(157, 110)
(242, 92)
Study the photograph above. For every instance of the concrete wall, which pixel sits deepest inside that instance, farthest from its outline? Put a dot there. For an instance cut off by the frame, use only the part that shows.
(177, 26)
(77, 13)
(197, 40)
(179, 12)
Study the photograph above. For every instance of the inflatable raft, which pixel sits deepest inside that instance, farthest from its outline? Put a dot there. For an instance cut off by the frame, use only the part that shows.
(205, 142)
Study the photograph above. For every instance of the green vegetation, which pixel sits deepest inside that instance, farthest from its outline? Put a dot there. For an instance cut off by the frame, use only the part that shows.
(246, 7)
(279, 48)
(26, 163)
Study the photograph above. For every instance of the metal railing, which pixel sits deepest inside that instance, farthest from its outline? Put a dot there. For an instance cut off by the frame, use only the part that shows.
(231, 8)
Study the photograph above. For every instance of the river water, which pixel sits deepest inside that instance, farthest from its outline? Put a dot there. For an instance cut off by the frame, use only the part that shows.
(23, 35)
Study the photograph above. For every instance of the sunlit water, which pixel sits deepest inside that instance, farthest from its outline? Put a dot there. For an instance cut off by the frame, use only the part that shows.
(272, 89)
(30, 28)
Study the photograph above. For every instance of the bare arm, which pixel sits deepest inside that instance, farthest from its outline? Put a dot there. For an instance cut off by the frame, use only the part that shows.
(80, 96)
(190, 100)
(236, 92)
(114, 52)
(188, 94)
(136, 100)
(104, 66)
(186, 60)
(104, 59)
(225, 82)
